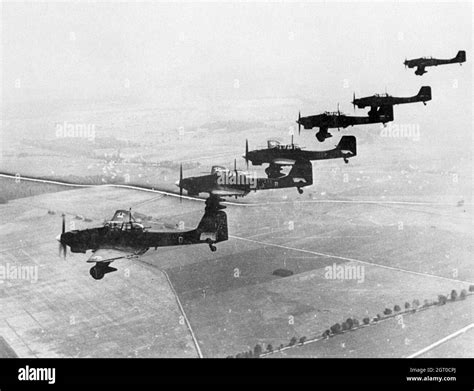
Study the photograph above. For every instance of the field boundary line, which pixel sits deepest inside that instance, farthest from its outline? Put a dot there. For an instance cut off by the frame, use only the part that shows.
(351, 260)
(441, 341)
(254, 204)
(188, 324)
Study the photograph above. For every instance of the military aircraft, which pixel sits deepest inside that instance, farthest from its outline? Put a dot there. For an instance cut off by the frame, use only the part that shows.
(379, 100)
(287, 155)
(423, 62)
(339, 120)
(124, 238)
(223, 182)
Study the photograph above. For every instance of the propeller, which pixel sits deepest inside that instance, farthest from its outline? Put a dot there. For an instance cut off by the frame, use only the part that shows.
(247, 152)
(180, 181)
(62, 245)
(405, 63)
(299, 123)
(353, 100)
(292, 144)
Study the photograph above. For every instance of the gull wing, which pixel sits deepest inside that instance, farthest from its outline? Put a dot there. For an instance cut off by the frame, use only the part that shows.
(108, 255)
(283, 162)
(228, 191)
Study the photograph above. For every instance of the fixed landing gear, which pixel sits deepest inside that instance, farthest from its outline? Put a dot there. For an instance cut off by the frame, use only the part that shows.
(273, 171)
(346, 160)
(100, 270)
(213, 204)
(97, 272)
(211, 245)
(300, 190)
(321, 136)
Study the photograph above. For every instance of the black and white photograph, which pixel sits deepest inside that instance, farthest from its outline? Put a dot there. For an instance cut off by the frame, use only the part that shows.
(236, 180)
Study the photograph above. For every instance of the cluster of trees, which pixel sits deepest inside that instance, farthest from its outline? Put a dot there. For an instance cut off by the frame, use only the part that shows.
(348, 324)
(352, 323)
(258, 349)
(442, 299)
(453, 296)
(255, 353)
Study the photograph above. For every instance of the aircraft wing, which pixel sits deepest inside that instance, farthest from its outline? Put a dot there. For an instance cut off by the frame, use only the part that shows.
(284, 162)
(223, 192)
(107, 255)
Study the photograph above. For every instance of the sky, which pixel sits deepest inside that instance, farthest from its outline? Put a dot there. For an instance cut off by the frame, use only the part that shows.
(58, 56)
(57, 50)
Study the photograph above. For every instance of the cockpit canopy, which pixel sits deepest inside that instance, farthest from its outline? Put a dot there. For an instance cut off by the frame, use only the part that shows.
(333, 113)
(222, 171)
(124, 220)
(276, 144)
(216, 169)
(121, 216)
(272, 144)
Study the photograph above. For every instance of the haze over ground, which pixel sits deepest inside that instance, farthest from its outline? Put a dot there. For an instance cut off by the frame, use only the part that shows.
(66, 55)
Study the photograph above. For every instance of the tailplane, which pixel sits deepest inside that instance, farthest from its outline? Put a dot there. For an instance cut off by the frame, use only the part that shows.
(213, 226)
(385, 113)
(461, 56)
(301, 173)
(348, 144)
(425, 93)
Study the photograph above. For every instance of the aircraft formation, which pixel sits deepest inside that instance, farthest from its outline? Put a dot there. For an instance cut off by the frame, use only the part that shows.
(381, 105)
(124, 238)
(381, 111)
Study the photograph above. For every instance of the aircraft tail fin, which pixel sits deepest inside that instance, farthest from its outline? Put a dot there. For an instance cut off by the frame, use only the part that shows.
(302, 171)
(461, 56)
(425, 93)
(348, 143)
(386, 113)
(213, 224)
